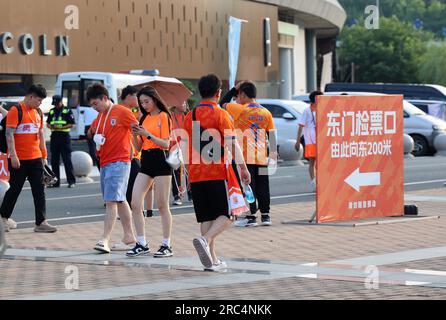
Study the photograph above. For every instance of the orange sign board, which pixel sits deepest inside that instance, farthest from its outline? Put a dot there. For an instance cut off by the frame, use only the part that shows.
(360, 157)
(4, 172)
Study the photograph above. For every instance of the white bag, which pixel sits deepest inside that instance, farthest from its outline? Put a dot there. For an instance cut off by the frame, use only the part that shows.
(175, 158)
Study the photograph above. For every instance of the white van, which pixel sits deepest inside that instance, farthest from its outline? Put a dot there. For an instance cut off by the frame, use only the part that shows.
(72, 86)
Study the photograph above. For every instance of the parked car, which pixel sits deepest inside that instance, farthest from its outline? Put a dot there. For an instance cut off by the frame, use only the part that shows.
(410, 91)
(434, 108)
(286, 114)
(422, 127)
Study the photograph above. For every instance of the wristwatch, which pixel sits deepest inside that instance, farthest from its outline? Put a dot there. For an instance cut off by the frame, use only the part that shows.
(149, 137)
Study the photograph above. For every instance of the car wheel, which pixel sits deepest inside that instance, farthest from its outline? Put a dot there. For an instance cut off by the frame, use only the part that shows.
(421, 147)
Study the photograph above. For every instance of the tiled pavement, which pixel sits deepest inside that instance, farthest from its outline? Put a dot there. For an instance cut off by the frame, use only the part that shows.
(265, 262)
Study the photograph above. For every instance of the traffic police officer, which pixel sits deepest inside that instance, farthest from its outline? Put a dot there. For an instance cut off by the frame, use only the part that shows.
(60, 121)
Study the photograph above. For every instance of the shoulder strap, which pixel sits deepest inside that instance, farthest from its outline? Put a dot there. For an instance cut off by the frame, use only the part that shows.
(19, 113)
(40, 112)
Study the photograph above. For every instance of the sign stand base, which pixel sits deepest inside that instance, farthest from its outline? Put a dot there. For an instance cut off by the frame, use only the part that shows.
(363, 223)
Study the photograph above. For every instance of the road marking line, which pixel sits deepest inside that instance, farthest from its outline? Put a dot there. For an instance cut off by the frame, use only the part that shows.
(426, 272)
(424, 182)
(66, 184)
(76, 197)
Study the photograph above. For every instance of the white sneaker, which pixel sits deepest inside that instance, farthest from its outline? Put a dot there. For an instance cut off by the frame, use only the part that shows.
(5, 225)
(121, 246)
(102, 247)
(202, 247)
(12, 224)
(177, 202)
(219, 266)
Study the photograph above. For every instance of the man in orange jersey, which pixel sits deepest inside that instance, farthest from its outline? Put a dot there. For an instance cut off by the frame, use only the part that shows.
(207, 169)
(27, 156)
(112, 134)
(257, 134)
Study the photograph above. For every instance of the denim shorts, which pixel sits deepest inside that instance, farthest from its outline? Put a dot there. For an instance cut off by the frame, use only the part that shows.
(114, 181)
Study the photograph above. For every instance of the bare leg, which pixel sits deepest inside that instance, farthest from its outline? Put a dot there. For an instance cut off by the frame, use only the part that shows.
(125, 214)
(142, 185)
(149, 198)
(111, 209)
(162, 195)
(205, 226)
(312, 168)
(215, 228)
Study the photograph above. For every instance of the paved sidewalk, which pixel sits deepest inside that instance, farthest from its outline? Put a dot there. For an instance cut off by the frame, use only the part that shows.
(277, 262)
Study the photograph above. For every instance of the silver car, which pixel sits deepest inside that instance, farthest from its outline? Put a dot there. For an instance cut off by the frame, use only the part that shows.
(422, 127)
(286, 114)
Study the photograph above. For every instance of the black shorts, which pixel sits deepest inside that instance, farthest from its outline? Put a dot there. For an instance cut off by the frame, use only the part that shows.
(153, 163)
(210, 200)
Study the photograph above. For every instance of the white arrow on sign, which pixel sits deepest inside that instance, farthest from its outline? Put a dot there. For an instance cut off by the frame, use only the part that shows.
(357, 179)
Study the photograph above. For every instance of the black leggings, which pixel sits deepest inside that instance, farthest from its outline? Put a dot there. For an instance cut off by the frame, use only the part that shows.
(33, 170)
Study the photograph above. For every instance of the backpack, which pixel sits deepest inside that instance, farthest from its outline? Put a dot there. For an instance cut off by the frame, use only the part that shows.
(3, 143)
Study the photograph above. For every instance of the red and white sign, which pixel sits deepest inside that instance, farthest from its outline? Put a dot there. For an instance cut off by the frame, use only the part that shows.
(4, 171)
(360, 157)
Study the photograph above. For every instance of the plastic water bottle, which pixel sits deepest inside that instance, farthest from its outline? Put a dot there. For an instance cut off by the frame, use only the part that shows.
(249, 194)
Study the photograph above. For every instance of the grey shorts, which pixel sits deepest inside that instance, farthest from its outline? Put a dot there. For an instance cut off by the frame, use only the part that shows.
(114, 181)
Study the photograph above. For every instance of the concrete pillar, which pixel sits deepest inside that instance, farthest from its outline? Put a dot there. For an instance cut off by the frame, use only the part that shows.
(310, 44)
(286, 73)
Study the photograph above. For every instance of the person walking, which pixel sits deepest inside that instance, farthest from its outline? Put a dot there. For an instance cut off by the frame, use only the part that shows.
(129, 99)
(60, 121)
(178, 116)
(113, 135)
(154, 132)
(208, 171)
(307, 124)
(258, 138)
(27, 157)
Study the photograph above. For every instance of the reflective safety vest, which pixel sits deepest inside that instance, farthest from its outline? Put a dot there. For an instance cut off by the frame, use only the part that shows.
(60, 120)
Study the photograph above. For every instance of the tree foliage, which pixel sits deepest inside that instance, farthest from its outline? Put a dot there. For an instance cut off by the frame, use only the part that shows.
(392, 53)
(431, 12)
(433, 65)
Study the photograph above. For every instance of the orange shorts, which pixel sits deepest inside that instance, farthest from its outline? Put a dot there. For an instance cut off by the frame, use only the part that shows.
(310, 151)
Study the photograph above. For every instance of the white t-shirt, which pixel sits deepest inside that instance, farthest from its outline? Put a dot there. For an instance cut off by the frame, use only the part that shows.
(308, 121)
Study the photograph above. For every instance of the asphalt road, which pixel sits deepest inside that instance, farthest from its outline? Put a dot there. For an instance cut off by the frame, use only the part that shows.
(288, 185)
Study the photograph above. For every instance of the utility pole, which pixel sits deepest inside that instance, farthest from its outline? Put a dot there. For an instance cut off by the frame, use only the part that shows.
(353, 72)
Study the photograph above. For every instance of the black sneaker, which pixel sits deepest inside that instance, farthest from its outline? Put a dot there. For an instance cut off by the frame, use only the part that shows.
(248, 221)
(148, 213)
(163, 252)
(266, 220)
(138, 250)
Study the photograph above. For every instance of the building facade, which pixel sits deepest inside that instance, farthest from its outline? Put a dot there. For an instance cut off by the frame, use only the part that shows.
(180, 38)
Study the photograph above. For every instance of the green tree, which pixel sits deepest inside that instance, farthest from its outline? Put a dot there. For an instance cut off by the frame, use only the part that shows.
(192, 101)
(431, 12)
(433, 64)
(389, 54)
